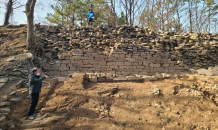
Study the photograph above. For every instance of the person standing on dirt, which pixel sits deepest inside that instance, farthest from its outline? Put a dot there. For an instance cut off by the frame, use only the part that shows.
(91, 15)
(34, 89)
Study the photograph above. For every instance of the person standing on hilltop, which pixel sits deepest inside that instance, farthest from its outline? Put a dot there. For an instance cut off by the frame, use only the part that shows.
(35, 88)
(91, 15)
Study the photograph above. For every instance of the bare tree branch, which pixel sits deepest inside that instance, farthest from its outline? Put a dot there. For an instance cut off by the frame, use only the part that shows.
(18, 6)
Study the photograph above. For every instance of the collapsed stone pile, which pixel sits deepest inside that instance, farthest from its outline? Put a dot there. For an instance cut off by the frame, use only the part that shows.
(197, 50)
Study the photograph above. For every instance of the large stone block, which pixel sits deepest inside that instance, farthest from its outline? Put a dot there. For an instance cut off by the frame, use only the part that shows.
(133, 78)
(61, 79)
(120, 63)
(133, 67)
(145, 63)
(156, 65)
(63, 68)
(103, 63)
(124, 67)
(56, 73)
(166, 65)
(63, 65)
(127, 63)
(93, 79)
(101, 79)
(75, 57)
(88, 66)
(130, 59)
(120, 79)
(65, 61)
(135, 63)
(109, 79)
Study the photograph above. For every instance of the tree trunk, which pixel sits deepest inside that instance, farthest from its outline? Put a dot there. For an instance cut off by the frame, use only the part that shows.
(177, 11)
(178, 17)
(116, 19)
(130, 12)
(126, 12)
(115, 13)
(30, 5)
(190, 15)
(133, 11)
(62, 20)
(151, 15)
(162, 17)
(7, 14)
(73, 19)
(209, 19)
(196, 15)
(168, 25)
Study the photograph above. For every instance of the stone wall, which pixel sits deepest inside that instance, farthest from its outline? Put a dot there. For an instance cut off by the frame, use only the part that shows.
(124, 50)
(118, 63)
(114, 51)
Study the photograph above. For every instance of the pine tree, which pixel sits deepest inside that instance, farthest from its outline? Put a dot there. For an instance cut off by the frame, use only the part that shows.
(121, 20)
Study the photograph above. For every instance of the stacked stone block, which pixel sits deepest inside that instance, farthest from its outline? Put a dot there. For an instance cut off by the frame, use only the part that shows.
(119, 62)
(126, 50)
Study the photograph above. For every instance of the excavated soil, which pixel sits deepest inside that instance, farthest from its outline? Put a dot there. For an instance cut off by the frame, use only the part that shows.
(170, 104)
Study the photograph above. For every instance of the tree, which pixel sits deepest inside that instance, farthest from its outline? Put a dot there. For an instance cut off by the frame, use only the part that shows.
(81, 12)
(121, 20)
(212, 8)
(132, 8)
(148, 17)
(112, 19)
(7, 15)
(10, 6)
(59, 16)
(190, 14)
(76, 11)
(30, 5)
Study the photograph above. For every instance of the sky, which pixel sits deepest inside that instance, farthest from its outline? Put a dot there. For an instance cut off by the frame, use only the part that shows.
(19, 17)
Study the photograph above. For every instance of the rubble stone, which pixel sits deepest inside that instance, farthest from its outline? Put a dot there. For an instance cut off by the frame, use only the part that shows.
(2, 104)
(3, 80)
(19, 84)
(204, 72)
(5, 110)
(2, 119)
(2, 84)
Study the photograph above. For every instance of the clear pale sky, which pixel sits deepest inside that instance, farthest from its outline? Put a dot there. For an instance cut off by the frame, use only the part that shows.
(19, 16)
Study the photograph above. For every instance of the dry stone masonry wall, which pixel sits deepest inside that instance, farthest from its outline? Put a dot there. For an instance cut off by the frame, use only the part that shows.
(125, 50)
(117, 62)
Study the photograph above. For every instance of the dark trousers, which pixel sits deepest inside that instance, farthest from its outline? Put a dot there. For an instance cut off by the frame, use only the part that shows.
(90, 21)
(34, 97)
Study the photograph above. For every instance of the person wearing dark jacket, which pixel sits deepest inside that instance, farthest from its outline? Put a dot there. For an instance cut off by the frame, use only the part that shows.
(35, 83)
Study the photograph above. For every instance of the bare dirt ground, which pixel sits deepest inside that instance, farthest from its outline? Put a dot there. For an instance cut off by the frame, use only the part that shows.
(170, 104)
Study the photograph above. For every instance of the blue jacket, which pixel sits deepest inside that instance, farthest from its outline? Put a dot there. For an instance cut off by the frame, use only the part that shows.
(91, 14)
(35, 83)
